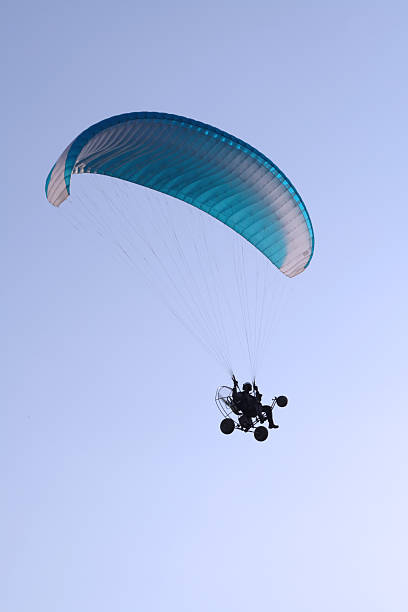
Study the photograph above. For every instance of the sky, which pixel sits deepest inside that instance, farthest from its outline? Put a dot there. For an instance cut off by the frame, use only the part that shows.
(118, 491)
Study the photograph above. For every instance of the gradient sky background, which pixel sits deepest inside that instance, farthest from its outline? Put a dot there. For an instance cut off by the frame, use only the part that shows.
(100, 511)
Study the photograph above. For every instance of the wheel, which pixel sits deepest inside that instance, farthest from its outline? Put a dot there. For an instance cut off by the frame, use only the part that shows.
(282, 401)
(261, 433)
(227, 426)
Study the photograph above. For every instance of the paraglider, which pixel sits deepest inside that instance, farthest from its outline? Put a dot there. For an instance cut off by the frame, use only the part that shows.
(216, 173)
(203, 166)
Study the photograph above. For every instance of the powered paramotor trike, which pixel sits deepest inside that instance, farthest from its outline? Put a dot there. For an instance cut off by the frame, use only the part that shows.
(234, 418)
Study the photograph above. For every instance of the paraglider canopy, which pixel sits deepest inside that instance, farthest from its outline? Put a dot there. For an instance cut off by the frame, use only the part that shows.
(203, 166)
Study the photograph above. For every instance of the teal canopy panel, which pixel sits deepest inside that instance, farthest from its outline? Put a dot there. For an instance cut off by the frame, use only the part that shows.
(199, 164)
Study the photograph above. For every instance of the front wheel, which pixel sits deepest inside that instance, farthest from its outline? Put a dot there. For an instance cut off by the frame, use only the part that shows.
(261, 433)
(227, 426)
(282, 401)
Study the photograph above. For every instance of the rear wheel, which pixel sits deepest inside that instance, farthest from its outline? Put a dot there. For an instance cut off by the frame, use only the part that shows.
(261, 433)
(227, 426)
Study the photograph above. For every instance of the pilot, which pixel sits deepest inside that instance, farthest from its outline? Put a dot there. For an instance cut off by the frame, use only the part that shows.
(250, 404)
(244, 400)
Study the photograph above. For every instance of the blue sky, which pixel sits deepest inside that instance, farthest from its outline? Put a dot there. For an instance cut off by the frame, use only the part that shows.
(118, 491)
